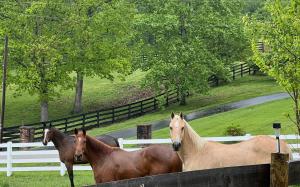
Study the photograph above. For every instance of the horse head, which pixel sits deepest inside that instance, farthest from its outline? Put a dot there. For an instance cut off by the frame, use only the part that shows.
(48, 135)
(177, 125)
(80, 144)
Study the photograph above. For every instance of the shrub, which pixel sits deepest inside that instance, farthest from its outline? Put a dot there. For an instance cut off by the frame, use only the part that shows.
(234, 131)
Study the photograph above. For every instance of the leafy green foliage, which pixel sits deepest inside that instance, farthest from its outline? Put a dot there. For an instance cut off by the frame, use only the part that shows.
(234, 131)
(184, 42)
(281, 59)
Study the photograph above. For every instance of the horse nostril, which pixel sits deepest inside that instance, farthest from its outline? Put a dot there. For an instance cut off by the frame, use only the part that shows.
(176, 146)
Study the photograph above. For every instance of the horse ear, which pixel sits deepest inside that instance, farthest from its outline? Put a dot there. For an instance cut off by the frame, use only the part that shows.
(84, 132)
(76, 131)
(172, 115)
(181, 115)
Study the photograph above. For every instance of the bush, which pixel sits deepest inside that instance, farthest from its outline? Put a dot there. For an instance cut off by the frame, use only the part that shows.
(234, 131)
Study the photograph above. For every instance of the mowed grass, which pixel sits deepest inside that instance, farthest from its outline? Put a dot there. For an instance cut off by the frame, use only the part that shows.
(97, 93)
(45, 179)
(243, 88)
(255, 120)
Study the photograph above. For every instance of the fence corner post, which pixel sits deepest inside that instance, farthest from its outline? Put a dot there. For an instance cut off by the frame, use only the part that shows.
(9, 159)
(62, 169)
(279, 170)
(120, 140)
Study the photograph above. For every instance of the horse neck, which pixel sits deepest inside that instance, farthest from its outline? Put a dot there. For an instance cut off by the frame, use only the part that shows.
(58, 138)
(96, 150)
(191, 142)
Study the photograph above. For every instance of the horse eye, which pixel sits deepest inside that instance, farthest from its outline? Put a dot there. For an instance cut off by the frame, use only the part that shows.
(171, 128)
(182, 128)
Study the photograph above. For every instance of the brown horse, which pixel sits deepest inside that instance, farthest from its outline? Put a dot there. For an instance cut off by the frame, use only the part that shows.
(66, 147)
(197, 153)
(110, 164)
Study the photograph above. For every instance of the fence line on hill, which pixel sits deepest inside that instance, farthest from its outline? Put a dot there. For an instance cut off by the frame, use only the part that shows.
(111, 115)
(37, 154)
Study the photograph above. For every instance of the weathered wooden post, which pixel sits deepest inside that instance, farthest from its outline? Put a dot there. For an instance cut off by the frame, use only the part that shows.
(5, 57)
(279, 170)
(144, 132)
(26, 135)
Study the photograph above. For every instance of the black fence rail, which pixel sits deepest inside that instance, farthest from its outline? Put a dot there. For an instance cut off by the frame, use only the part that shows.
(246, 176)
(115, 114)
(94, 119)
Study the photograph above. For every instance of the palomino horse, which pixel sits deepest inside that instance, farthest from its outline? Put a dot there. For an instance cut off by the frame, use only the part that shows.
(197, 153)
(111, 163)
(66, 147)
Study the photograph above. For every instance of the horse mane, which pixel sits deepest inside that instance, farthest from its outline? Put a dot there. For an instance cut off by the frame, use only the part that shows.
(97, 145)
(195, 139)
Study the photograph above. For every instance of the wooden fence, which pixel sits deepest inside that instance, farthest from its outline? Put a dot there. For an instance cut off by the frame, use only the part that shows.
(36, 153)
(246, 176)
(111, 115)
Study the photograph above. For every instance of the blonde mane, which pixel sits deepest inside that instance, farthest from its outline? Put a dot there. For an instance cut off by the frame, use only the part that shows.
(194, 139)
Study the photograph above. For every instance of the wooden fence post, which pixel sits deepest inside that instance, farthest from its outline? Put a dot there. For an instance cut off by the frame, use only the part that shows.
(154, 104)
(279, 170)
(66, 125)
(141, 108)
(241, 70)
(144, 132)
(113, 115)
(83, 120)
(9, 159)
(98, 119)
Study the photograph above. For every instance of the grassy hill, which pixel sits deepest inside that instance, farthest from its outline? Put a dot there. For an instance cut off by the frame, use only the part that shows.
(243, 88)
(97, 93)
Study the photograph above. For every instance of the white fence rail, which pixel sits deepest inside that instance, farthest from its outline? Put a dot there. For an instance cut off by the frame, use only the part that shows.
(13, 158)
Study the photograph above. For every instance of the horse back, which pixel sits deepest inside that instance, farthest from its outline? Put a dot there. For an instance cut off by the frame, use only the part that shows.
(162, 158)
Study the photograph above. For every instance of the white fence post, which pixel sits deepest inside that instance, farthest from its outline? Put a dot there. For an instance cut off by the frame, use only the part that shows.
(62, 169)
(248, 136)
(9, 159)
(120, 140)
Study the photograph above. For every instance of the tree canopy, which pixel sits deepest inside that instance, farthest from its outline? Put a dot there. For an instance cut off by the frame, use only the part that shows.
(281, 36)
(187, 41)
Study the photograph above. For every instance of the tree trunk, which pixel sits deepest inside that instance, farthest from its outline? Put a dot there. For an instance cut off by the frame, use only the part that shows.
(78, 94)
(44, 110)
(297, 112)
(182, 98)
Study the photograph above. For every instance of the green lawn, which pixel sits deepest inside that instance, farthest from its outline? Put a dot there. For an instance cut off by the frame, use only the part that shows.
(243, 88)
(45, 179)
(97, 93)
(254, 120)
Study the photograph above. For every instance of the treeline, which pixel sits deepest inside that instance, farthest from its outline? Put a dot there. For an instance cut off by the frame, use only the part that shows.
(180, 43)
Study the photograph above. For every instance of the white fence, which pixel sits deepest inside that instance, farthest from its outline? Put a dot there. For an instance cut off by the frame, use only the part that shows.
(35, 157)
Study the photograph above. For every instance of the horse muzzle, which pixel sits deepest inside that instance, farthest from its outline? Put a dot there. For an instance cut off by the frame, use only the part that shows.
(78, 157)
(45, 142)
(176, 146)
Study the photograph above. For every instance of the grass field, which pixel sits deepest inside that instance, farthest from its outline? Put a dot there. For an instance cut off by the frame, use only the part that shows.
(254, 120)
(243, 88)
(97, 93)
(45, 179)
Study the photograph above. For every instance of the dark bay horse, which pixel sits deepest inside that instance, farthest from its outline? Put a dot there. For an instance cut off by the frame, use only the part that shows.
(65, 145)
(110, 163)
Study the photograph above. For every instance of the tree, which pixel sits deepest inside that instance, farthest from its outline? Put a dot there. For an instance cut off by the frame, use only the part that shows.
(281, 59)
(186, 41)
(37, 45)
(100, 41)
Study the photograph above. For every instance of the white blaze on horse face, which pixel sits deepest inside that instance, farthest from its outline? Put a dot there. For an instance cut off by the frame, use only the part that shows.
(45, 135)
(176, 128)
